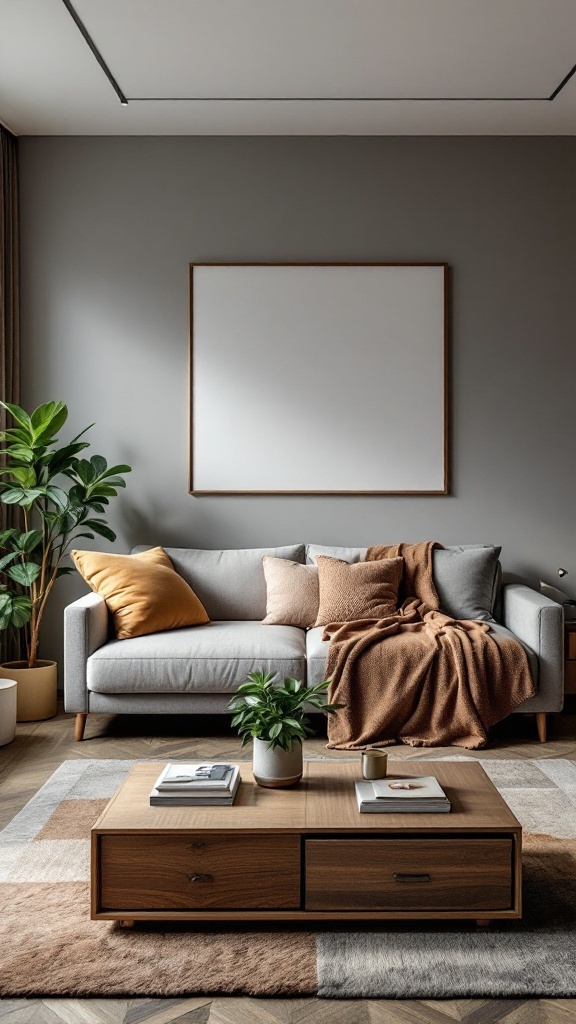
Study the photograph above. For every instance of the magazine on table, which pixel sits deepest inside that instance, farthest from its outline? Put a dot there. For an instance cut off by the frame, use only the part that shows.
(422, 795)
(196, 783)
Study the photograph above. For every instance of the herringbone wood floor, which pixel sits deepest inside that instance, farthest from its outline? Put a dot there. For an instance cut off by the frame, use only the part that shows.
(40, 747)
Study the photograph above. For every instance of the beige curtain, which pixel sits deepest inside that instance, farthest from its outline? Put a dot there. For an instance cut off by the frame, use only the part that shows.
(9, 310)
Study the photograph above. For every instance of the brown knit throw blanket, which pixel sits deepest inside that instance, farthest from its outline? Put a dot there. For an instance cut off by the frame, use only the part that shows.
(419, 676)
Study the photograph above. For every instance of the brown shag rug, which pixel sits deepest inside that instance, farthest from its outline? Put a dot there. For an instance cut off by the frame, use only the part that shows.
(49, 946)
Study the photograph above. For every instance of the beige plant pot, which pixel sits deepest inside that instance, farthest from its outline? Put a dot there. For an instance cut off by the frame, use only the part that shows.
(36, 693)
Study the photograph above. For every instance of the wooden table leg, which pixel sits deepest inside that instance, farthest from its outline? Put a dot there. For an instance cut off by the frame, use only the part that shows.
(483, 922)
(127, 923)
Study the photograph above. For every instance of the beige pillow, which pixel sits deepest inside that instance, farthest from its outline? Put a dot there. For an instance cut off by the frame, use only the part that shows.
(291, 592)
(363, 590)
(144, 592)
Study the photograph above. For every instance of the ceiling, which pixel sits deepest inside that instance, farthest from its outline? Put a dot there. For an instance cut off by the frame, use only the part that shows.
(288, 67)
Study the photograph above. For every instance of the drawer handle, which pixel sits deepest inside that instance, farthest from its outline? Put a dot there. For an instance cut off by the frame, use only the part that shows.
(198, 877)
(197, 846)
(401, 877)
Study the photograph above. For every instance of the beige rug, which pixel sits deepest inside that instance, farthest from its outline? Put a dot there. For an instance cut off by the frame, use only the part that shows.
(49, 946)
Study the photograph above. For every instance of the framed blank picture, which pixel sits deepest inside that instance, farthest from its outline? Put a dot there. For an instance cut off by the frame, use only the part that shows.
(318, 379)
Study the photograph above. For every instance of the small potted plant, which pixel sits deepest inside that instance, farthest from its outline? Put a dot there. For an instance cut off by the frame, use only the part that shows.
(60, 498)
(275, 718)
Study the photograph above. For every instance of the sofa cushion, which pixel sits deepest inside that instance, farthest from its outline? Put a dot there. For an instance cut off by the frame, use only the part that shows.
(362, 590)
(142, 591)
(292, 596)
(317, 652)
(465, 579)
(344, 554)
(214, 658)
(229, 583)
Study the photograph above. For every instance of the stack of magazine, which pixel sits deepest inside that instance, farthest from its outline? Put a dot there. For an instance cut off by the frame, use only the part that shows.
(402, 796)
(196, 785)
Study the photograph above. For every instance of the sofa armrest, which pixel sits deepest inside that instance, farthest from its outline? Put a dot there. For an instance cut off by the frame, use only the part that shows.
(86, 628)
(539, 622)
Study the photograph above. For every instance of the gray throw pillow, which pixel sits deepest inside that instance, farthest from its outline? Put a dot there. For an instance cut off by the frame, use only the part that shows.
(466, 581)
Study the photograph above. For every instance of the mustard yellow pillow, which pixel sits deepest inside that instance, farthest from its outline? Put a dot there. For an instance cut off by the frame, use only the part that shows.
(144, 592)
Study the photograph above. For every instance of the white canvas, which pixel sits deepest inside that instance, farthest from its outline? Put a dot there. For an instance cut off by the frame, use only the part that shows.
(318, 378)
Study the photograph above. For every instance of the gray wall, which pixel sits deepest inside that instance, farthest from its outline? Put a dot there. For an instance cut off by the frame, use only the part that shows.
(109, 226)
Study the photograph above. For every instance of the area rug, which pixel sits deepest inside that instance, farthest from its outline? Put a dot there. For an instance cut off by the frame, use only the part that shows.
(49, 946)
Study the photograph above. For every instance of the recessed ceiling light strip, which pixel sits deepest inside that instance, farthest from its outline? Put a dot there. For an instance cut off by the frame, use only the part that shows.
(340, 99)
(88, 39)
(563, 83)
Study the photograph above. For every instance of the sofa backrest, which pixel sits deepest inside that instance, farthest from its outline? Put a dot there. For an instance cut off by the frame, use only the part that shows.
(468, 586)
(230, 583)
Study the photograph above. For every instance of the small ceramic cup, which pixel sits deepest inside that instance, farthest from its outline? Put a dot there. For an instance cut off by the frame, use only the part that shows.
(374, 763)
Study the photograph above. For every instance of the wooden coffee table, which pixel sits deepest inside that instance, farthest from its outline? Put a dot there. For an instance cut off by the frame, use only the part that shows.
(307, 853)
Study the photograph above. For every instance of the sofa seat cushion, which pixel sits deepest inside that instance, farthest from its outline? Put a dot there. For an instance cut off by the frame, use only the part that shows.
(214, 658)
(317, 652)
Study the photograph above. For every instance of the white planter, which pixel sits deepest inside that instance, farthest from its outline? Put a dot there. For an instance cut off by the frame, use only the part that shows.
(8, 689)
(277, 768)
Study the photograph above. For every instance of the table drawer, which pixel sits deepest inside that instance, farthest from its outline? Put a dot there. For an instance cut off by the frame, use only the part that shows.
(192, 872)
(409, 874)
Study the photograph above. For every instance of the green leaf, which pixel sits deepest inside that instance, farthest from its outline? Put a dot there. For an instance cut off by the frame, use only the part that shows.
(8, 559)
(6, 535)
(293, 723)
(103, 490)
(14, 611)
(31, 494)
(100, 465)
(26, 542)
(275, 730)
(100, 527)
(17, 435)
(115, 470)
(25, 573)
(18, 414)
(21, 452)
(25, 476)
(57, 496)
(12, 496)
(47, 420)
(85, 471)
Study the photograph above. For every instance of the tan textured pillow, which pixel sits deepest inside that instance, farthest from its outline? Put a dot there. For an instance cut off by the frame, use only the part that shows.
(363, 590)
(291, 592)
(144, 592)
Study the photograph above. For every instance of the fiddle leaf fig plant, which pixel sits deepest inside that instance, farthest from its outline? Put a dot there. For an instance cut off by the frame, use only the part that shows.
(61, 497)
(277, 714)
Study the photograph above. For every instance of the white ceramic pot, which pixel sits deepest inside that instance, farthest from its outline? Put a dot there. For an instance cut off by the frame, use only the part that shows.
(36, 693)
(276, 768)
(7, 711)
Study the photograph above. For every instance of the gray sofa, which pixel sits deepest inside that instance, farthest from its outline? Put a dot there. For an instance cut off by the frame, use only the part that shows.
(196, 670)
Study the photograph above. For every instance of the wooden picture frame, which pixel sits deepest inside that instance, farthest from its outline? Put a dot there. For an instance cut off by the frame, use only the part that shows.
(324, 378)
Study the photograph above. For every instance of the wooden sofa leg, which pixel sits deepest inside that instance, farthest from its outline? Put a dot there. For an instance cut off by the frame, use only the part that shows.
(79, 726)
(541, 723)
